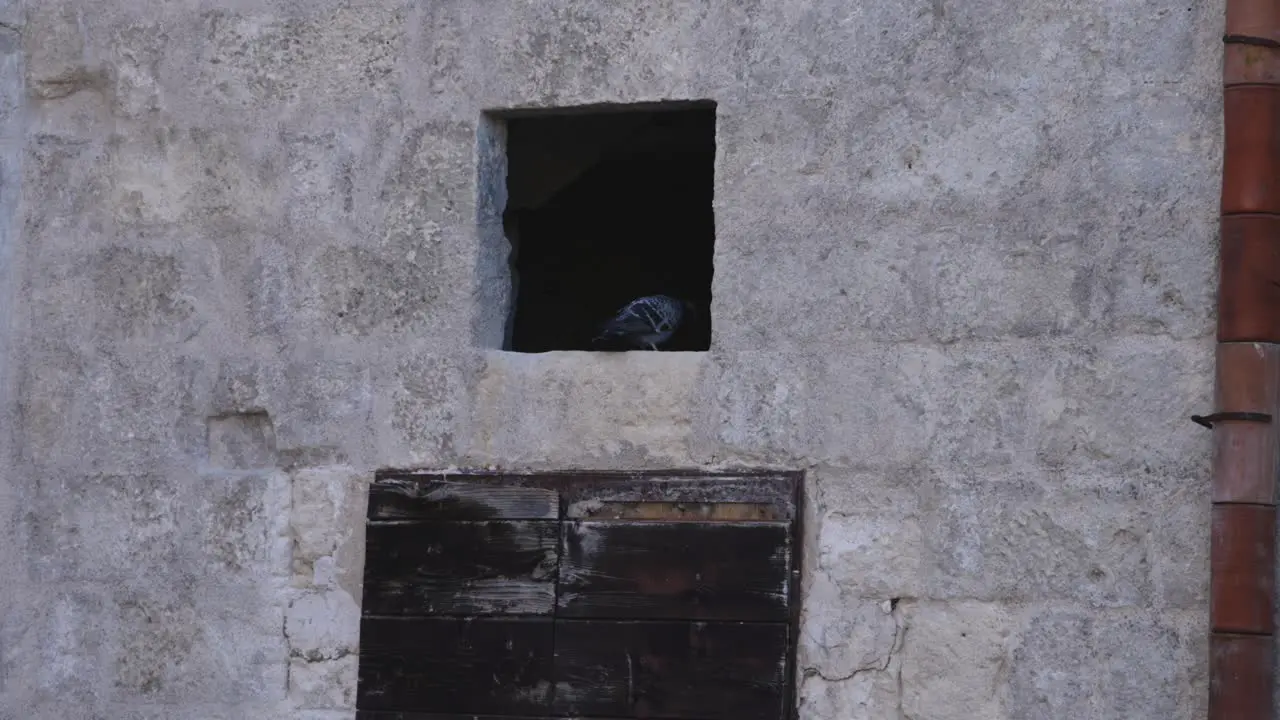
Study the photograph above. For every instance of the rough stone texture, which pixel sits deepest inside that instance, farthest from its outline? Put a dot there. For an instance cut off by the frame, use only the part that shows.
(327, 523)
(251, 251)
(958, 664)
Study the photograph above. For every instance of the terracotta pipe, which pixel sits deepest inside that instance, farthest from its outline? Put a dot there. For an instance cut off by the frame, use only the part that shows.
(1246, 418)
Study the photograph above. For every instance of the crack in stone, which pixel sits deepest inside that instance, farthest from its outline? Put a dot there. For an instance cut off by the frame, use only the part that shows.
(288, 671)
(899, 637)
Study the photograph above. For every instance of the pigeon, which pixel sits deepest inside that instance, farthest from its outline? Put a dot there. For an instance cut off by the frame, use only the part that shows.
(647, 321)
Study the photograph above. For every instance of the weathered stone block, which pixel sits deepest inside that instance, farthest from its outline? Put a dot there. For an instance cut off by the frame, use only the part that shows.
(136, 54)
(954, 660)
(995, 282)
(1071, 664)
(620, 56)
(105, 527)
(163, 528)
(758, 405)
(68, 171)
(357, 290)
(320, 410)
(431, 178)
(220, 646)
(323, 684)
(139, 293)
(242, 441)
(1180, 540)
(11, 71)
(125, 297)
(323, 625)
(1163, 276)
(239, 388)
(11, 14)
(985, 400)
(870, 695)
(59, 55)
(1070, 404)
(824, 307)
(46, 393)
(842, 635)
(629, 409)
(327, 520)
(303, 63)
(242, 523)
(771, 61)
(1161, 285)
(1124, 403)
(270, 298)
(75, 640)
(322, 404)
(422, 406)
(111, 415)
(200, 174)
(868, 537)
(323, 166)
(875, 407)
(1017, 536)
(406, 260)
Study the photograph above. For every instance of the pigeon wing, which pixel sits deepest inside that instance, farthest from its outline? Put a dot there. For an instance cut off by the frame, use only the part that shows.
(645, 315)
(633, 319)
(667, 313)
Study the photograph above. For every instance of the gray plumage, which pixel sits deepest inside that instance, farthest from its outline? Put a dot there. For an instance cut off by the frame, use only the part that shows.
(648, 321)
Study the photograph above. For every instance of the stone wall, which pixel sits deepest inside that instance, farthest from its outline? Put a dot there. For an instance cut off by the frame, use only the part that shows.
(965, 273)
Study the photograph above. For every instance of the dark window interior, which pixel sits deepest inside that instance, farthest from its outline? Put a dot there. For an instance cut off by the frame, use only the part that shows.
(604, 207)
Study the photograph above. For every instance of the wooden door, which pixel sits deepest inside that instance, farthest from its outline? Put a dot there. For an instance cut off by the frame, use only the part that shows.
(580, 595)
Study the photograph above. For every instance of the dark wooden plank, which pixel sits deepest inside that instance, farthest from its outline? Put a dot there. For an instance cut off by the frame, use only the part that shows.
(495, 666)
(403, 498)
(711, 671)
(460, 568)
(778, 489)
(684, 570)
(584, 496)
(677, 511)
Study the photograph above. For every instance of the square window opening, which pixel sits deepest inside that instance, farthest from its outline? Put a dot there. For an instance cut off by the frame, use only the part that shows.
(604, 205)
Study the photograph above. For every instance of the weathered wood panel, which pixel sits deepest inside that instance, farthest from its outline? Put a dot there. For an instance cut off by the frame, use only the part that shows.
(405, 498)
(520, 496)
(669, 547)
(494, 666)
(683, 570)
(703, 671)
(583, 496)
(676, 511)
(461, 568)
